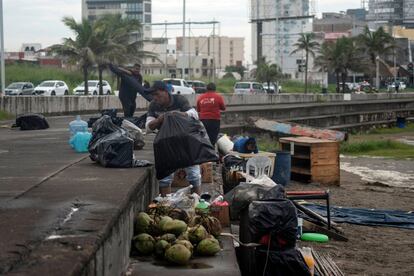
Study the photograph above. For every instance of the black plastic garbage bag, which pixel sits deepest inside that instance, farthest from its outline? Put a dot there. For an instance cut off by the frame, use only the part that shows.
(281, 263)
(181, 142)
(116, 150)
(101, 128)
(138, 121)
(112, 112)
(31, 122)
(277, 218)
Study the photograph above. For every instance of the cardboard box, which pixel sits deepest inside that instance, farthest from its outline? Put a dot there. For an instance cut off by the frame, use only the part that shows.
(222, 213)
(180, 176)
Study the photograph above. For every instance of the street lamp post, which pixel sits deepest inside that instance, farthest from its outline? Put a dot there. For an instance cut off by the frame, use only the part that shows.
(183, 46)
(2, 66)
(377, 80)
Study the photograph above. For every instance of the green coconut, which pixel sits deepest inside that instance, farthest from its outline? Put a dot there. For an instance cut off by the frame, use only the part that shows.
(142, 223)
(163, 220)
(208, 247)
(178, 254)
(144, 243)
(186, 244)
(160, 248)
(197, 234)
(168, 237)
(175, 227)
(183, 236)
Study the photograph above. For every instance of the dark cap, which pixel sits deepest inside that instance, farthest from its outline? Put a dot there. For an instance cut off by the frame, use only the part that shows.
(158, 85)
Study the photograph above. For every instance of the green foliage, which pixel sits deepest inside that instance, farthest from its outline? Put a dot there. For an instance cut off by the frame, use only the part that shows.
(385, 148)
(5, 116)
(225, 86)
(229, 75)
(395, 130)
(267, 144)
(269, 73)
(237, 69)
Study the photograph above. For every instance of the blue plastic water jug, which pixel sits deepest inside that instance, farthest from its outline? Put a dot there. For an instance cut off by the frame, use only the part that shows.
(80, 141)
(77, 126)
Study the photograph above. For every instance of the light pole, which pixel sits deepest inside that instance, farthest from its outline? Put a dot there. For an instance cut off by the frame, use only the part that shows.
(183, 67)
(377, 80)
(2, 67)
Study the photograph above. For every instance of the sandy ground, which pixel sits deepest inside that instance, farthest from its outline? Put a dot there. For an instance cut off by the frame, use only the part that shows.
(371, 250)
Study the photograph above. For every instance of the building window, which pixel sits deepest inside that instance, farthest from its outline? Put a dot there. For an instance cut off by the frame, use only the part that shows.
(205, 73)
(160, 71)
(173, 51)
(168, 51)
(197, 70)
(147, 7)
(148, 18)
(204, 62)
(153, 60)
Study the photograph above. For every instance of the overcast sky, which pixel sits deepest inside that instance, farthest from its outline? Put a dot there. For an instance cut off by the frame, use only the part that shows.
(39, 21)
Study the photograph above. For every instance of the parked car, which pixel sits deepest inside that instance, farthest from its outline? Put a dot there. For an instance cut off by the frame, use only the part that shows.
(93, 88)
(391, 87)
(52, 88)
(271, 89)
(198, 86)
(249, 88)
(19, 88)
(180, 86)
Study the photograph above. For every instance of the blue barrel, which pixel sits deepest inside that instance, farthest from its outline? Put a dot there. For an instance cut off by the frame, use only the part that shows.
(281, 174)
(401, 122)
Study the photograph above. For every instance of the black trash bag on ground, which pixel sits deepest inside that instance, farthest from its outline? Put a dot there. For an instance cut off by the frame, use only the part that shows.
(31, 122)
(232, 161)
(112, 112)
(101, 128)
(92, 120)
(181, 142)
(138, 121)
(116, 150)
(281, 263)
(277, 218)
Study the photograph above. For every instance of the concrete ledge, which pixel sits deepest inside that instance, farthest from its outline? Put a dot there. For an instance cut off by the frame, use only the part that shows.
(91, 104)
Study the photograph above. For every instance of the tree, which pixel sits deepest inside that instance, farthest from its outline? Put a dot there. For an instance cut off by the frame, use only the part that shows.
(268, 73)
(375, 44)
(237, 69)
(307, 43)
(79, 51)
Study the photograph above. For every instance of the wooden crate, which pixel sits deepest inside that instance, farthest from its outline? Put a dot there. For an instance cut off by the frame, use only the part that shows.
(313, 160)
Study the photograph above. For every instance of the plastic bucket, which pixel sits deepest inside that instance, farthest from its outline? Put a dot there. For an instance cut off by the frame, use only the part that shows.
(401, 122)
(225, 145)
(281, 174)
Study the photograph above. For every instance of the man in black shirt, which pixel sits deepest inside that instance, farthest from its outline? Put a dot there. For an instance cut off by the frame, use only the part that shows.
(131, 83)
(162, 103)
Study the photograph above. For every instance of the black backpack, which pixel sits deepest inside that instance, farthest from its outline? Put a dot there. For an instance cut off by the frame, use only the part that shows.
(31, 122)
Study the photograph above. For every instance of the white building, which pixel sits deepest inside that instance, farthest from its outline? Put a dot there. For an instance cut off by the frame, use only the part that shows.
(135, 9)
(164, 63)
(276, 27)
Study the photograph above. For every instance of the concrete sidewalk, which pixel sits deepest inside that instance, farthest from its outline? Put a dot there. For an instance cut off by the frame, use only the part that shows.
(61, 214)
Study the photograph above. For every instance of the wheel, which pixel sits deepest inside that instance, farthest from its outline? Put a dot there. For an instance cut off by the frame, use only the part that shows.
(179, 92)
(108, 93)
(53, 93)
(94, 92)
(66, 92)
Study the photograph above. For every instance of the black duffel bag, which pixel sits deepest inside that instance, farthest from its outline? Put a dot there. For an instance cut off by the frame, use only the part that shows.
(31, 122)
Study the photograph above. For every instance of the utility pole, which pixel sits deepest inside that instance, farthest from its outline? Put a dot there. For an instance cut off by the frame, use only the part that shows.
(2, 66)
(166, 51)
(183, 46)
(377, 80)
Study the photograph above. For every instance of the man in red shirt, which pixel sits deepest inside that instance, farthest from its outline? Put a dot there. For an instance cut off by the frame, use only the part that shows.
(209, 106)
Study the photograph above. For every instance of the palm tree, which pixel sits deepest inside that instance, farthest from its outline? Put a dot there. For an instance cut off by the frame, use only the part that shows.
(375, 44)
(268, 73)
(80, 50)
(307, 43)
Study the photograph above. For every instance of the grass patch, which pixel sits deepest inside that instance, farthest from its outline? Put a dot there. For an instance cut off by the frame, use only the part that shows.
(5, 116)
(384, 148)
(395, 130)
(267, 144)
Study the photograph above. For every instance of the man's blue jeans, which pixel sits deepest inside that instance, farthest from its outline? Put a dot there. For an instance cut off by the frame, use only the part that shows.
(193, 177)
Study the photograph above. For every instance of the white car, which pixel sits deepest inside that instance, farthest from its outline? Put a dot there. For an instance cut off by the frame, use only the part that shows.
(271, 89)
(249, 88)
(180, 86)
(52, 88)
(391, 87)
(93, 88)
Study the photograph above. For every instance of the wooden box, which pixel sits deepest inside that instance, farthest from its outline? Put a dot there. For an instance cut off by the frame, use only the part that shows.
(313, 160)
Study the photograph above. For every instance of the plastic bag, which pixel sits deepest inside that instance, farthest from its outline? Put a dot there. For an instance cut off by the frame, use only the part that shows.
(80, 141)
(281, 263)
(100, 129)
(277, 218)
(31, 122)
(135, 133)
(138, 121)
(116, 150)
(181, 142)
(245, 193)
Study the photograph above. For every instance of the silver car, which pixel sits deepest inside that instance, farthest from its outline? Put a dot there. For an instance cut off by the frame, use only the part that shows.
(20, 89)
(249, 88)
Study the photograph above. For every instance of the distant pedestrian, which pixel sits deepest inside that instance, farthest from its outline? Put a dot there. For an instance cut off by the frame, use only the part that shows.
(209, 106)
(170, 87)
(397, 87)
(131, 84)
